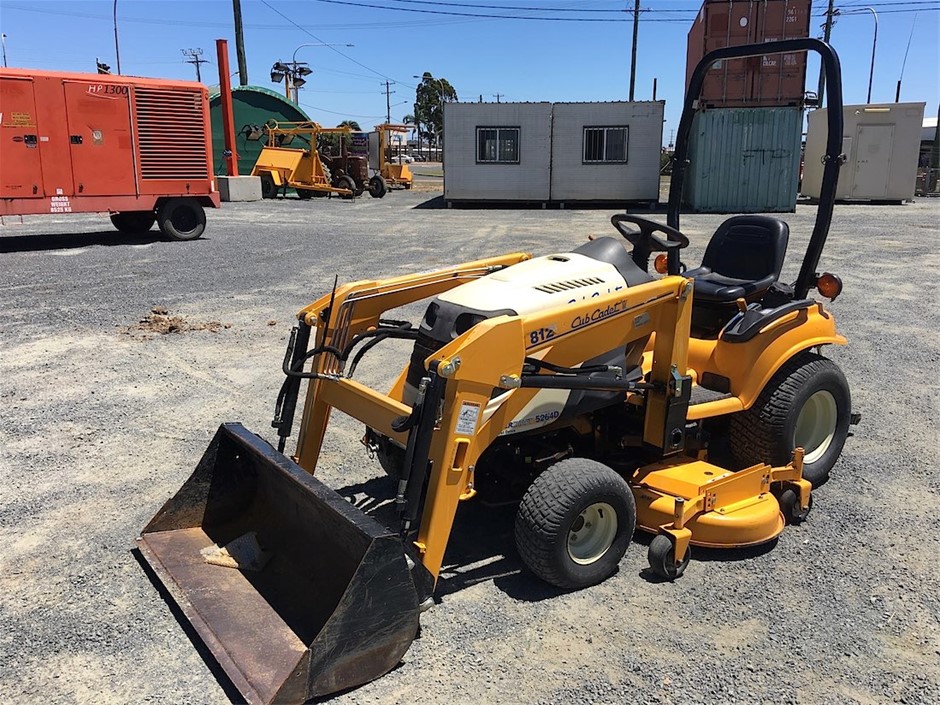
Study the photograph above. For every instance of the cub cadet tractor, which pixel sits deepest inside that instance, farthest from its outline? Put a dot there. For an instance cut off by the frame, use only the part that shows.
(282, 167)
(579, 382)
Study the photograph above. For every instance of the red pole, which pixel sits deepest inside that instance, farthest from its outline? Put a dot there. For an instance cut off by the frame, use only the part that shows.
(228, 118)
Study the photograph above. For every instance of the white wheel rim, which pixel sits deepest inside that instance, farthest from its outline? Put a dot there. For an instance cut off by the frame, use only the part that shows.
(816, 425)
(592, 533)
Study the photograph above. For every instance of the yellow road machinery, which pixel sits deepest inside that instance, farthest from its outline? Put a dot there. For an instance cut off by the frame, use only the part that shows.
(593, 392)
(300, 168)
(390, 175)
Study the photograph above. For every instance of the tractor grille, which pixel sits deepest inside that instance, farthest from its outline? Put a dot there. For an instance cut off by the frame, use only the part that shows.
(171, 134)
(556, 287)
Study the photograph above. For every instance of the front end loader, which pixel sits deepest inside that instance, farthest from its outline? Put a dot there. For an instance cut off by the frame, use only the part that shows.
(587, 389)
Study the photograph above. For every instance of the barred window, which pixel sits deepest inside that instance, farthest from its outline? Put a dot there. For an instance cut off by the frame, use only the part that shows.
(605, 145)
(498, 145)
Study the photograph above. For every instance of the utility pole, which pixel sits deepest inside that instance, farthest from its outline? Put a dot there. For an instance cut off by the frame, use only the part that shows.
(240, 44)
(195, 59)
(827, 32)
(636, 31)
(3, 39)
(498, 96)
(388, 102)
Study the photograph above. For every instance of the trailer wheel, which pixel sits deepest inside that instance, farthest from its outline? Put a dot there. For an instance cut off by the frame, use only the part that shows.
(268, 187)
(304, 194)
(133, 222)
(808, 404)
(181, 218)
(575, 523)
(377, 187)
(347, 183)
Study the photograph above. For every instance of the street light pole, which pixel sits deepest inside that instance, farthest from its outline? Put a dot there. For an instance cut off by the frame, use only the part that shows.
(291, 76)
(117, 50)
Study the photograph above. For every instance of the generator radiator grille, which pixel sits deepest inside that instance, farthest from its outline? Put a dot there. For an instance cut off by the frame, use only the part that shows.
(171, 134)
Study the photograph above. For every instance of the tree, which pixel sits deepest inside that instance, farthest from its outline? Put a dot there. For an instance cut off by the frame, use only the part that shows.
(330, 143)
(430, 96)
(409, 120)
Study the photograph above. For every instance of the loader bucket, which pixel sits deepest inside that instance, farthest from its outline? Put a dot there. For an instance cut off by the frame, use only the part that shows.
(334, 605)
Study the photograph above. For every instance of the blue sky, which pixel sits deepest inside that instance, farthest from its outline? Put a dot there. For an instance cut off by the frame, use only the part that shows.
(523, 60)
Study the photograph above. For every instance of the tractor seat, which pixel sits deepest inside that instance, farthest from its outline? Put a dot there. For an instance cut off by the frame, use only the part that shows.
(742, 260)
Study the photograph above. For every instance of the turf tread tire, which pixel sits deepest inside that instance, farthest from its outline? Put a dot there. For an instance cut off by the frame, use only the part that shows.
(549, 507)
(760, 434)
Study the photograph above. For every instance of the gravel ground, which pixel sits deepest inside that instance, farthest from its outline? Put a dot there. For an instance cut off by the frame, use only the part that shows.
(103, 419)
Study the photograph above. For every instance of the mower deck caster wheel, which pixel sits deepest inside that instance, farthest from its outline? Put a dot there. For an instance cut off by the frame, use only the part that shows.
(663, 561)
(790, 507)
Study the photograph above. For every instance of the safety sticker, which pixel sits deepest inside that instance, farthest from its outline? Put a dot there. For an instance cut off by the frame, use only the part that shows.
(467, 418)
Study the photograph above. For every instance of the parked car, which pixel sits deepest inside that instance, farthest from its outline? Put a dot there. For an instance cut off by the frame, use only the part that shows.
(402, 159)
(418, 157)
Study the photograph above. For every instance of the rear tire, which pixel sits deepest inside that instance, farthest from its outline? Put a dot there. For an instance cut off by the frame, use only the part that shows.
(133, 222)
(377, 187)
(806, 403)
(268, 187)
(181, 218)
(304, 194)
(575, 523)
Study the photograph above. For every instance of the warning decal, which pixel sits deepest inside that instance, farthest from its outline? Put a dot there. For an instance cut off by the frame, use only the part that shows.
(467, 418)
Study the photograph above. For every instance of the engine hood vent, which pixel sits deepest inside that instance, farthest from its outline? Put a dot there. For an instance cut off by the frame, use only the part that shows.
(557, 287)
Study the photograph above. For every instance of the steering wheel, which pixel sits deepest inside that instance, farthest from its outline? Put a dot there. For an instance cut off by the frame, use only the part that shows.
(645, 240)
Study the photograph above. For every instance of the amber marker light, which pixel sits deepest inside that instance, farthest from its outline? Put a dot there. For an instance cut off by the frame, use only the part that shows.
(661, 263)
(829, 285)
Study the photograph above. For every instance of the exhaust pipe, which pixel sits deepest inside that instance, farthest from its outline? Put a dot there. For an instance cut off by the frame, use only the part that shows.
(327, 602)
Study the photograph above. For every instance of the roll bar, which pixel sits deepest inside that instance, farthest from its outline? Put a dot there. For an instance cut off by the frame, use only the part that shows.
(832, 160)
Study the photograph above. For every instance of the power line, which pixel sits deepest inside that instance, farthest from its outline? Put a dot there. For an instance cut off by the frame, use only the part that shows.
(308, 32)
(489, 16)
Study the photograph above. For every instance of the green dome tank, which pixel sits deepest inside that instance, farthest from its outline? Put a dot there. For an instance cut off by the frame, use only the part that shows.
(251, 105)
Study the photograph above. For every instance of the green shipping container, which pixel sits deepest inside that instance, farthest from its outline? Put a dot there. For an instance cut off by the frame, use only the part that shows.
(251, 105)
(744, 160)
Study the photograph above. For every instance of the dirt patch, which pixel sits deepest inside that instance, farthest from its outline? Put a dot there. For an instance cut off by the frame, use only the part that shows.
(428, 186)
(160, 322)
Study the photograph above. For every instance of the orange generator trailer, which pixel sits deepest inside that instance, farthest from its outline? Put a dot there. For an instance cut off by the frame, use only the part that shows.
(137, 148)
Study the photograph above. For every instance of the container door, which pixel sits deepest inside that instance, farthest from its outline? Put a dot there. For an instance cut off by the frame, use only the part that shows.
(873, 148)
(21, 171)
(100, 139)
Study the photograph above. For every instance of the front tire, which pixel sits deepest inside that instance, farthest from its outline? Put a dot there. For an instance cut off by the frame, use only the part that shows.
(575, 523)
(807, 403)
(377, 187)
(181, 218)
(347, 183)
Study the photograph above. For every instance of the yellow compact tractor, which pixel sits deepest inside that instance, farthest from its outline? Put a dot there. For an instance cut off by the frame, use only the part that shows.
(582, 385)
(281, 167)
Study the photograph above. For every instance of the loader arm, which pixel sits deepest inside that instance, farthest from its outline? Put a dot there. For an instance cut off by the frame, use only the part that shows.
(490, 356)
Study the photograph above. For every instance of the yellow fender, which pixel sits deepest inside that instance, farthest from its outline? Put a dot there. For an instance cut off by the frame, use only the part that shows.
(750, 365)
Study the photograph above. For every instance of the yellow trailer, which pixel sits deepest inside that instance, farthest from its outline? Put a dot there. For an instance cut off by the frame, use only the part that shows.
(281, 167)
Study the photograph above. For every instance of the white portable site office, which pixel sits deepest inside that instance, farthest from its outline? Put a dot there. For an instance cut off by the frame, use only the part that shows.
(544, 152)
(881, 143)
